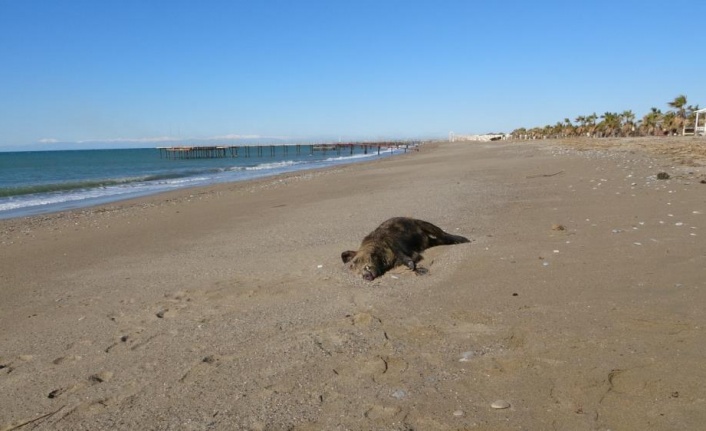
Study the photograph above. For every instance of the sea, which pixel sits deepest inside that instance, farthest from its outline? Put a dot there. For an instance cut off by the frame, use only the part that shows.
(41, 182)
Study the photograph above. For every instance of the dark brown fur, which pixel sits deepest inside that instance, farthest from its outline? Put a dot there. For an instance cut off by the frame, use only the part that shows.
(398, 241)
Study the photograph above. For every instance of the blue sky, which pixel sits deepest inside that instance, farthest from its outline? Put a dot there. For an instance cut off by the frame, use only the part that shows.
(111, 73)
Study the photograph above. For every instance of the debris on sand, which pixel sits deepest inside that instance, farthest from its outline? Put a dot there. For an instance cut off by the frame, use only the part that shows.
(500, 404)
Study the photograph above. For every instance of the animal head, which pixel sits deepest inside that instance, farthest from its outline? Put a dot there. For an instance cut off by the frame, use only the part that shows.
(367, 263)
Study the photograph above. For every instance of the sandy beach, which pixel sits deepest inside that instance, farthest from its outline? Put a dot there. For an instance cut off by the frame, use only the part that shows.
(579, 301)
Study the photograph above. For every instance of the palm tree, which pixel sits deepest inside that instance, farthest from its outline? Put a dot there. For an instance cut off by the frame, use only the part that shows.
(520, 133)
(568, 129)
(610, 124)
(620, 124)
(679, 104)
(558, 130)
(691, 115)
(581, 120)
(548, 131)
(670, 122)
(651, 121)
(627, 119)
(591, 122)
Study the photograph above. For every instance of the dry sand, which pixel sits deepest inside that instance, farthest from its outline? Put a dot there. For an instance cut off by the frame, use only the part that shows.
(580, 301)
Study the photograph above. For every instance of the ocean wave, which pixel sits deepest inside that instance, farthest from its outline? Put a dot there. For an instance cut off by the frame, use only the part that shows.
(353, 157)
(44, 199)
(273, 165)
(114, 190)
(6, 192)
(32, 199)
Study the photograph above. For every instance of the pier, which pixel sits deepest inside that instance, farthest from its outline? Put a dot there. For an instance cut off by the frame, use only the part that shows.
(225, 151)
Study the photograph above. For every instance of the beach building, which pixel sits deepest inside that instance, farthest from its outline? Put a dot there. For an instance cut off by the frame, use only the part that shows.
(700, 130)
(483, 138)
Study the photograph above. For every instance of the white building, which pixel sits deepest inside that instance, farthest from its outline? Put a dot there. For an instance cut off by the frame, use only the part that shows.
(700, 130)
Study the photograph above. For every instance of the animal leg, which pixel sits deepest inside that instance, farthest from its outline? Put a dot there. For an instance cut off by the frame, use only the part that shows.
(421, 271)
(411, 262)
(408, 262)
(418, 270)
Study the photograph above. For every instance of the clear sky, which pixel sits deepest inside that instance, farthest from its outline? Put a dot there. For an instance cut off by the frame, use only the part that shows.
(108, 72)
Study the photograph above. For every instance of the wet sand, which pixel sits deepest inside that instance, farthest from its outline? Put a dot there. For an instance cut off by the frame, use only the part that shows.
(579, 301)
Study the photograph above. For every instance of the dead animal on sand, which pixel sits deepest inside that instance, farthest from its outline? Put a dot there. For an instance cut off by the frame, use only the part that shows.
(397, 241)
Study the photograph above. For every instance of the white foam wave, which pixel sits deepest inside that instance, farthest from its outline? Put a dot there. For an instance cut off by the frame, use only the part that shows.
(353, 157)
(133, 187)
(274, 165)
(42, 200)
(182, 181)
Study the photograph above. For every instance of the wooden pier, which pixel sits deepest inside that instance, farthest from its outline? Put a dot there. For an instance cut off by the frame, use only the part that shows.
(225, 151)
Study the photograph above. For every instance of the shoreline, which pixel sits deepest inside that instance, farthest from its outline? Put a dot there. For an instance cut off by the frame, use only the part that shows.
(227, 307)
(164, 197)
(88, 189)
(685, 151)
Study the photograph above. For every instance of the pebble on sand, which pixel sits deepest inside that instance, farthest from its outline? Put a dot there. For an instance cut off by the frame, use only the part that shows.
(459, 413)
(500, 404)
(467, 356)
(399, 394)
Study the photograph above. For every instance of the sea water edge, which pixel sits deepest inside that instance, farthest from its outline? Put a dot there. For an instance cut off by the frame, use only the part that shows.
(39, 183)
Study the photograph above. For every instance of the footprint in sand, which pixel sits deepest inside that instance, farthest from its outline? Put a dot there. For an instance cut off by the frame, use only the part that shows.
(130, 339)
(379, 368)
(355, 332)
(205, 366)
(382, 412)
(173, 303)
(65, 390)
(66, 359)
(139, 344)
(9, 366)
(369, 321)
(363, 319)
(103, 376)
(93, 379)
(166, 313)
(391, 370)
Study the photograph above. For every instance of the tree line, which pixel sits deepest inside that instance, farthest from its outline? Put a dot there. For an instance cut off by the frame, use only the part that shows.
(613, 124)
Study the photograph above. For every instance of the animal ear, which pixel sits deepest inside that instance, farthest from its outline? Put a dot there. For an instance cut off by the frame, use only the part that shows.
(346, 256)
